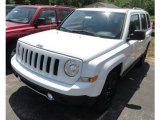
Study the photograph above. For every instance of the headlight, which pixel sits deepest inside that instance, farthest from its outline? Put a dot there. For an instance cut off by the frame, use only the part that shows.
(71, 68)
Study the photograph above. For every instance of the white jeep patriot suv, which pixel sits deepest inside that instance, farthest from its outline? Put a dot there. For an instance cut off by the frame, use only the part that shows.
(83, 59)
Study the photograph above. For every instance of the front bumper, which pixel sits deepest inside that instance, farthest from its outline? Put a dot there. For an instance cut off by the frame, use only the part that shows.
(74, 100)
(45, 85)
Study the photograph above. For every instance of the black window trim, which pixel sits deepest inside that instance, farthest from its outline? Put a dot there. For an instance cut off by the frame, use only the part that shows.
(145, 19)
(138, 18)
(148, 20)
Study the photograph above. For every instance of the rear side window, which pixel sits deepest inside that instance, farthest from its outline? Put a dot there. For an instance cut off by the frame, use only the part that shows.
(64, 14)
(148, 21)
(143, 21)
(48, 15)
(134, 23)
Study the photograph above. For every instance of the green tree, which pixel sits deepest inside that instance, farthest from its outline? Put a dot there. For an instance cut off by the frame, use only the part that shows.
(27, 2)
(149, 6)
(123, 3)
(51, 2)
(10, 1)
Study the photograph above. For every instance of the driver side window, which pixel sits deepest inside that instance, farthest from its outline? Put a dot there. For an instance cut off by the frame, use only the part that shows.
(134, 23)
(49, 16)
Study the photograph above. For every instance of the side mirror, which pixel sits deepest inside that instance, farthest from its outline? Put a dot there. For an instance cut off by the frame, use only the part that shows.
(138, 35)
(59, 23)
(40, 21)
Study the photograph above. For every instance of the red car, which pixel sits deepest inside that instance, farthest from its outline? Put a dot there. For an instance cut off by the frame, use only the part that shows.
(29, 19)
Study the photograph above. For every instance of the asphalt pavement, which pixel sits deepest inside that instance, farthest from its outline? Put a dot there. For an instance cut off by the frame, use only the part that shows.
(134, 101)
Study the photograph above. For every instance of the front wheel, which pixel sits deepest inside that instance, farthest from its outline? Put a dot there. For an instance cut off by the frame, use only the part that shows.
(108, 92)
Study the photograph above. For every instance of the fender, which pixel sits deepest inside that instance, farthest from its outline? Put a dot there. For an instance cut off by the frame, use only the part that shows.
(103, 73)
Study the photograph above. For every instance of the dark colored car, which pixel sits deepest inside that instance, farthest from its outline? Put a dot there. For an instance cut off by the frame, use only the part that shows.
(28, 19)
(153, 28)
(153, 25)
(9, 7)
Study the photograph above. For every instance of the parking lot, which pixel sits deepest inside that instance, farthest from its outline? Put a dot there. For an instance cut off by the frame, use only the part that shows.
(134, 101)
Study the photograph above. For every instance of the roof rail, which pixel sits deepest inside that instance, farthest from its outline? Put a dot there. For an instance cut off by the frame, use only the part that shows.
(136, 8)
(64, 6)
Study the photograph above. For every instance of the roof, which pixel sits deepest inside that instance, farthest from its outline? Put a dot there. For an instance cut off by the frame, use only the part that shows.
(104, 9)
(46, 6)
(101, 5)
(120, 10)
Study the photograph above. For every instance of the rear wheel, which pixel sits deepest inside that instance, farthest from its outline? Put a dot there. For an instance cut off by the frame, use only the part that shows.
(108, 92)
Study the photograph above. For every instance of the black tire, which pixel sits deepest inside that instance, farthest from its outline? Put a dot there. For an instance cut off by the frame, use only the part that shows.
(142, 59)
(152, 34)
(10, 52)
(108, 92)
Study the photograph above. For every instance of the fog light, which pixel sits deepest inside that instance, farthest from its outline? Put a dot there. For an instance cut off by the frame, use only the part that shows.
(50, 96)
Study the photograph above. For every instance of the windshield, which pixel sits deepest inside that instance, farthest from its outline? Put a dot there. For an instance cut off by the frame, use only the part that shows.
(21, 15)
(95, 23)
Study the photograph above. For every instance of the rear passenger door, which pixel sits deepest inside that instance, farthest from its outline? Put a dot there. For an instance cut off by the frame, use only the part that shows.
(145, 25)
(49, 16)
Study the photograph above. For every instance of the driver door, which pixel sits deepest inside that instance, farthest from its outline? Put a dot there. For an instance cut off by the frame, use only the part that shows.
(49, 18)
(134, 45)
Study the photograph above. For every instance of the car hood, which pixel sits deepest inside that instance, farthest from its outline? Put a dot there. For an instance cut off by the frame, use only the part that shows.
(80, 46)
(12, 25)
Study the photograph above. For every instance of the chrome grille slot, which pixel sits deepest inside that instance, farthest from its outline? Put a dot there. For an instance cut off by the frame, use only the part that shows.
(22, 53)
(35, 60)
(56, 64)
(26, 56)
(41, 63)
(30, 58)
(48, 64)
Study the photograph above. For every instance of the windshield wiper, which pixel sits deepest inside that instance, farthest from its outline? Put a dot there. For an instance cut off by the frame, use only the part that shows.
(65, 29)
(78, 31)
(84, 32)
(10, 20)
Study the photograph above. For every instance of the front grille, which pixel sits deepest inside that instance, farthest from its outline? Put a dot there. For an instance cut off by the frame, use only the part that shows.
(45, 64)
(38, 61)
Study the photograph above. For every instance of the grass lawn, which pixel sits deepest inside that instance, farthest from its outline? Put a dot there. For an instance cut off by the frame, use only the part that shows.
(151, 18)
(150, 53)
